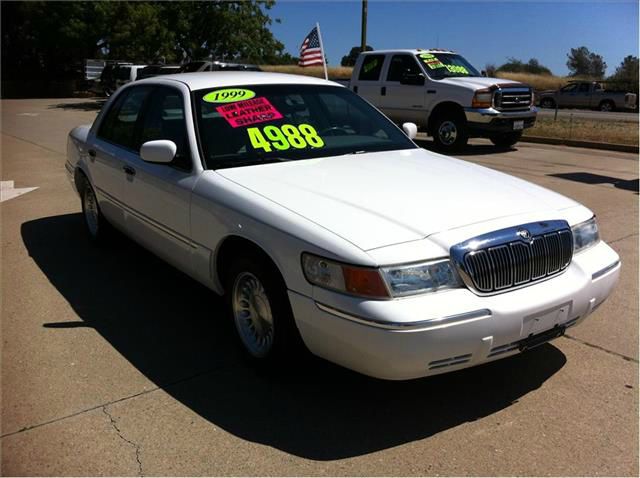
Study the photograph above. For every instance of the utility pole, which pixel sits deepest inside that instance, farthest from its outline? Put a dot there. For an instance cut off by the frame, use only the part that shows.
(363, 42)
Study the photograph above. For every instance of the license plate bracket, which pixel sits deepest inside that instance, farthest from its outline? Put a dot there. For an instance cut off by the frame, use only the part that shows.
(518, 125)
(542, 338)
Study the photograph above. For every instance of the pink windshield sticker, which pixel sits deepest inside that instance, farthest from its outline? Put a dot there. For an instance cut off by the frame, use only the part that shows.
(248, 112)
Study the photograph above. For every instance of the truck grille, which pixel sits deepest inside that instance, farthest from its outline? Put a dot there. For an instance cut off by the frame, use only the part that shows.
(514, 257)
(512, 99)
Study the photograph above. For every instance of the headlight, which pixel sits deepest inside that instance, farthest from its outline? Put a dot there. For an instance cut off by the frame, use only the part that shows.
(354, 280)
(585, 235)
(482, 98)
(419, 278)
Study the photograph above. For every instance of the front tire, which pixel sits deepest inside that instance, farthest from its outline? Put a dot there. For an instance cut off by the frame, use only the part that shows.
(506, 140)
(547, 103)
(450, 132)
(259, 306)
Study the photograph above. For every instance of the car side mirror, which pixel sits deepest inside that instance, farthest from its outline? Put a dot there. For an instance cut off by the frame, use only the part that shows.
(161, 151)
(416, 79)
(410, 129)
(484, 73)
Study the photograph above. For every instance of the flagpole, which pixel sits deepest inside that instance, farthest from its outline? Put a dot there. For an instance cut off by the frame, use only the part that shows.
(324, 60)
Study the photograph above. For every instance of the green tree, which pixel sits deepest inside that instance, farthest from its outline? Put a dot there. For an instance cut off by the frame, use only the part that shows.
(350, 59)
(533, 66)
(53, 38)
(627, 70)
(582, 62)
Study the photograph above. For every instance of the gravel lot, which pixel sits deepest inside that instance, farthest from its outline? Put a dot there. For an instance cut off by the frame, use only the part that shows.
(113, 363)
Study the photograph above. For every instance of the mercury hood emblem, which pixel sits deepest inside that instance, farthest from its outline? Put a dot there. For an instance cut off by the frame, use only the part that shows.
(524, 234)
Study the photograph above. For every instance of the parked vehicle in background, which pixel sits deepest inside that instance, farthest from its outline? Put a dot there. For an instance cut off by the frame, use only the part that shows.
(601, 95)
(444, 95)
(325, 226)
(196, 66)
(127, 73)
(157, 70)
(107, 83)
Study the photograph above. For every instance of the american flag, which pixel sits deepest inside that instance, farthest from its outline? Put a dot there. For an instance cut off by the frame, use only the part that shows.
(311, 52)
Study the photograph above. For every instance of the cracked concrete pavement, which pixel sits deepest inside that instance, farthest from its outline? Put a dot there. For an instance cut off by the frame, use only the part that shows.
(113, 363)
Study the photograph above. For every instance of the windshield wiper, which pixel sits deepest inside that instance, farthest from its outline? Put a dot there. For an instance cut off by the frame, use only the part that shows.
(236, 163)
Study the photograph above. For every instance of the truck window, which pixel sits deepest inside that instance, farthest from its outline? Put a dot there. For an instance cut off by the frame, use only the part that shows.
(446, 65)
(584, 88)
(571, 88)
(371, 68)
(402, 64)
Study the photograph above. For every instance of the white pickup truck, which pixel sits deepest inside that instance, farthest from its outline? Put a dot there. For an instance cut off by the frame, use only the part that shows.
(444, 95)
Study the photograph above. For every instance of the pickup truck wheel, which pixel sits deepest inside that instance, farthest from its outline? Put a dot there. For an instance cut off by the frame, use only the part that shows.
(96, 224)
(547, 103)
(450, 132)
(607, 105)
(506, 140)
(259, 306)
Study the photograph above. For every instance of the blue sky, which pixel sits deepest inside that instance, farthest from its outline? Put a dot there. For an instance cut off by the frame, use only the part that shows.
(482, 31)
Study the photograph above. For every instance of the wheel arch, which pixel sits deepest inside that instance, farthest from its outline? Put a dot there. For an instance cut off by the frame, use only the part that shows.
(232, 245)
(441, 108)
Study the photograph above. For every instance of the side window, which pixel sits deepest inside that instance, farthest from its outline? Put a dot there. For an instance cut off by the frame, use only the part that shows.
(402, 64)
(584, 88)
(165, 119)
(119, 125)
(371, 67)
(569, 88)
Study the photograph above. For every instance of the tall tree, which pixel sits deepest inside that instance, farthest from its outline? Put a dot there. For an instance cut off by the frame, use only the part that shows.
(627, 70)
(582, 62)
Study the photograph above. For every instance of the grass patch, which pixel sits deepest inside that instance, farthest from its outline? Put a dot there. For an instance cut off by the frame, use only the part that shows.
(619, 132)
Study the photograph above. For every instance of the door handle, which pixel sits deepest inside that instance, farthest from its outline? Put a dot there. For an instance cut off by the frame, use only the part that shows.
(129, 170)
(383, 91)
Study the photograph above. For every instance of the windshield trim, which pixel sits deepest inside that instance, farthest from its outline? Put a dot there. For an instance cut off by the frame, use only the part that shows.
(208, 164)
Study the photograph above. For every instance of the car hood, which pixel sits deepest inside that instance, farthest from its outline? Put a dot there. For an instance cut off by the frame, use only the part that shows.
(477, 82)
(379, 199)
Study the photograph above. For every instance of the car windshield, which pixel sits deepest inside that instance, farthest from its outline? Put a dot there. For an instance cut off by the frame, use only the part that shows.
(446, 65)
(245, 125)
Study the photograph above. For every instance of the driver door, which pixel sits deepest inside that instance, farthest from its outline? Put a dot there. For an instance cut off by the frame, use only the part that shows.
(403, 102)
(158, 196)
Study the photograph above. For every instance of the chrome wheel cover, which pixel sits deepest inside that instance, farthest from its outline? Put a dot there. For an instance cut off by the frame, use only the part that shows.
(252, 314)
(91, 212)
(606, 106)
(447, 133)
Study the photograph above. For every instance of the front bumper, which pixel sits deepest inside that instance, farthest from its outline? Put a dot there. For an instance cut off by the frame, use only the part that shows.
(484, 121)
(435, 333)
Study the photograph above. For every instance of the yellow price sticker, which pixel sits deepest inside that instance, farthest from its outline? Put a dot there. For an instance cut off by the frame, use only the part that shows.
(284, 137)
(228, 95)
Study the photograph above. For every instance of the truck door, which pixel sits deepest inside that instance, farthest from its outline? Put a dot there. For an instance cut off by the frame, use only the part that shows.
(368, 83)
(582, 98)
(567, 95)
(402, 97)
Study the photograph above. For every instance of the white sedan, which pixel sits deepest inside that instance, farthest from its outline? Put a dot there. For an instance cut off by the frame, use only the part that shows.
(323, 224)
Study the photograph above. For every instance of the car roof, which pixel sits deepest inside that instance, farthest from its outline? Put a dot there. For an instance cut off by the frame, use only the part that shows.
(217, 79)
(413, 51)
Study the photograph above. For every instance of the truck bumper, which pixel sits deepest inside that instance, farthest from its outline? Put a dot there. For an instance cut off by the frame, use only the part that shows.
(487, 121)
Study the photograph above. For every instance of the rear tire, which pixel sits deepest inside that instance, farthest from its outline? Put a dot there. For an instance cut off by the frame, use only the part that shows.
(606, 106)
(450, 132)
(506, 140)
(258, 304)
(96, 225)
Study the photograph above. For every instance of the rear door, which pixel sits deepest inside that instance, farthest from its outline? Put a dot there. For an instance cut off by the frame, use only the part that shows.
(402, 102)
(368, 84)
(158, 196)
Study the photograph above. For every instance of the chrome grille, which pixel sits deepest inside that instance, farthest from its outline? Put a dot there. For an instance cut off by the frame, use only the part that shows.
(514, 257)
(513, 99)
